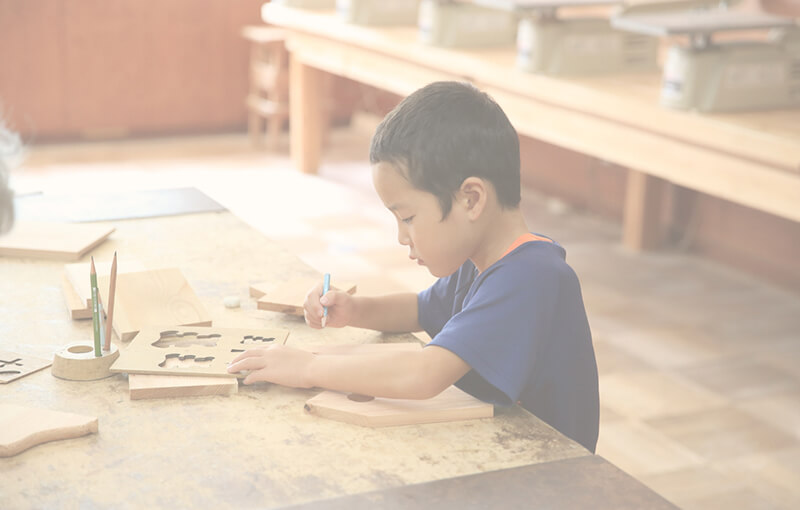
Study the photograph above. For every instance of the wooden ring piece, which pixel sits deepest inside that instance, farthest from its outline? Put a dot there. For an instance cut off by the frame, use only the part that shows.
(77, 362)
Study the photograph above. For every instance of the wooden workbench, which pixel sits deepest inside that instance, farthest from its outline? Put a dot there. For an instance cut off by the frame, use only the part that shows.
(748, 158)
(257, 448)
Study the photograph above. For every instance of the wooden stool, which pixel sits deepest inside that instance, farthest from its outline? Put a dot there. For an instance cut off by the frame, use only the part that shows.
(268, 98)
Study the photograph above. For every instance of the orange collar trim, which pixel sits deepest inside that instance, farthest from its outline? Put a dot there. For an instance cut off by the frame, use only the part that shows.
(525, 238)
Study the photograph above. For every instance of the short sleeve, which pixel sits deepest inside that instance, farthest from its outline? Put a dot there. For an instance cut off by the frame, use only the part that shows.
(500, 329)
(437, 304)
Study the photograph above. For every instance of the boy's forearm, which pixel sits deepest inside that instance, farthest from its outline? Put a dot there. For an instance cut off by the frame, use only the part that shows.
(407, 375)
(390, 313)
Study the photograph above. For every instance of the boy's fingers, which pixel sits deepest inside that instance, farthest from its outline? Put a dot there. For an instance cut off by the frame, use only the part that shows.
(311, 321)
(251, 363)
(246, 354)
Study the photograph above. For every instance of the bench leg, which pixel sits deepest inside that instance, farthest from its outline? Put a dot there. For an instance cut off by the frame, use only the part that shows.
(642, 229)
(254, 128)
(306, 115)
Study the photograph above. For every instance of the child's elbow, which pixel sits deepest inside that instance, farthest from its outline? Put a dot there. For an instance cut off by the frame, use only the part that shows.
(424, 388)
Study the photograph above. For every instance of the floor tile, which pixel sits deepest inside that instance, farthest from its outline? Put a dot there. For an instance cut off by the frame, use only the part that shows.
(773, 476)
(724, 433)
(741, 378)
(652, 393)
(639, 449)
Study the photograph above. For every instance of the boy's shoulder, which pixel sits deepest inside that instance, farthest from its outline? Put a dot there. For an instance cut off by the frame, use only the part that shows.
(531, 271)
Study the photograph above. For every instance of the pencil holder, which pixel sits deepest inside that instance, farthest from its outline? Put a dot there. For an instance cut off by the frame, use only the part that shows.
(77, 362)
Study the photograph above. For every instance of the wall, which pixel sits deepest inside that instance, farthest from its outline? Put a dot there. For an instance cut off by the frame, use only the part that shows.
(110, 68)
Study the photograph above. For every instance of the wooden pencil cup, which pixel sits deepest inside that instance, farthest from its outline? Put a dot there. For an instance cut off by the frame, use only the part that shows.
(77, 362)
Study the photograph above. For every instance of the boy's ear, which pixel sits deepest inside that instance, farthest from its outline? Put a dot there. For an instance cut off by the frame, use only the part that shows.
(473, 195)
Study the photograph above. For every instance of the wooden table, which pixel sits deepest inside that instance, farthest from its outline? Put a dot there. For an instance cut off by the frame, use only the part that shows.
(257, 448)
(749, 158)
(579, 482)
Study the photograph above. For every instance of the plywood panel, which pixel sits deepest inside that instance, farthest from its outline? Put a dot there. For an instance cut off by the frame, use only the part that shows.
(192, 351)
(160, 296)
(14, 365)
(143, 386)
(58, 241)
(75, 283)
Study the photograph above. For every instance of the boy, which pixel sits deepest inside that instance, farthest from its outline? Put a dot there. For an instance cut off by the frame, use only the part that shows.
(506, 316)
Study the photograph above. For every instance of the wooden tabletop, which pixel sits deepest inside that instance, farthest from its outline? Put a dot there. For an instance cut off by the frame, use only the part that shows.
(580, 482)
(257, 448)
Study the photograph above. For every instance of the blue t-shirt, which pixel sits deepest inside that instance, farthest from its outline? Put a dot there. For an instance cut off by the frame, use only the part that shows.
(521, 326)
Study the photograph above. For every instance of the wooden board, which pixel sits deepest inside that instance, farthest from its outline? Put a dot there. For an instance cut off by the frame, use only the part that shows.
(75, 283)
(450, 405)
(192, 350)
(141, 386)
(59, 241)
(289, 297)
(22, 427)
(13, 365)
(159, 296)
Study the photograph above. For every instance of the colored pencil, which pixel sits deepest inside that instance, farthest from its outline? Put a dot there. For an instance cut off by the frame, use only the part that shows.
(326, 285)
(112, 287)
(95, 310)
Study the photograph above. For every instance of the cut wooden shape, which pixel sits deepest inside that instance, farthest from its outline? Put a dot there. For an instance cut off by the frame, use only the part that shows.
(452, 404)
(143, 386)
(192, 351)
(13, 365)
(289, 297)
(22, 427)
(160, 296)
(75, 284)
(58, 241)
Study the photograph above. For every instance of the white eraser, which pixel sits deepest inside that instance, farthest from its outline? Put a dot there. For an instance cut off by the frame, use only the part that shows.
(231, 302)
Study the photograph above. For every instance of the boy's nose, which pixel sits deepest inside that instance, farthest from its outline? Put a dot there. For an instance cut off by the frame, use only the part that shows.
(402, 236)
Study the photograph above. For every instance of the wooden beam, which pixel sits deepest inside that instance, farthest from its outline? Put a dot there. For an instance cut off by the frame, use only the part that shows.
(641, 225)
(306, 118)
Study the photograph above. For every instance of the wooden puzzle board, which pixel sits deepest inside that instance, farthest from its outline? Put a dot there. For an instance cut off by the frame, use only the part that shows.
(141, 386)
(75, 283)
(289, 297)
(192, 350)
(13, 365)
(159, 296)
(22, 427)
(59, 241)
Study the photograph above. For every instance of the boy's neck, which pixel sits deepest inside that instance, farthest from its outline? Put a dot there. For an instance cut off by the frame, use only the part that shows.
(498, 233)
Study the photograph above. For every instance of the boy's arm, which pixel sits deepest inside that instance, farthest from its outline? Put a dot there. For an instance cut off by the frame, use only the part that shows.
(405, 374)
(390, 313)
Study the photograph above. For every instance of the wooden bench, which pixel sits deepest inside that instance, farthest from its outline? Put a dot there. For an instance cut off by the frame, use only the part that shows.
(751, 159)
(268, 98)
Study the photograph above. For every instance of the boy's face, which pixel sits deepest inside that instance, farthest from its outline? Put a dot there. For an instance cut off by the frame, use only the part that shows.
(440, 245)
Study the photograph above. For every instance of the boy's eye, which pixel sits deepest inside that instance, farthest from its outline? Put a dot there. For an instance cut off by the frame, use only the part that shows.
(407, 220)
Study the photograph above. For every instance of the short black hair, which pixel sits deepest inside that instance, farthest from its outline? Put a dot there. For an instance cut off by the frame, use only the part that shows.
(448, 131)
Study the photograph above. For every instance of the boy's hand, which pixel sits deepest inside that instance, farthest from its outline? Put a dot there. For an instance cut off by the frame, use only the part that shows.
(277, 364)
(340, 308)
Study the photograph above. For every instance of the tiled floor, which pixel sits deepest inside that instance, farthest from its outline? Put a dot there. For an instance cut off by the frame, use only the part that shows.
(699, 364)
